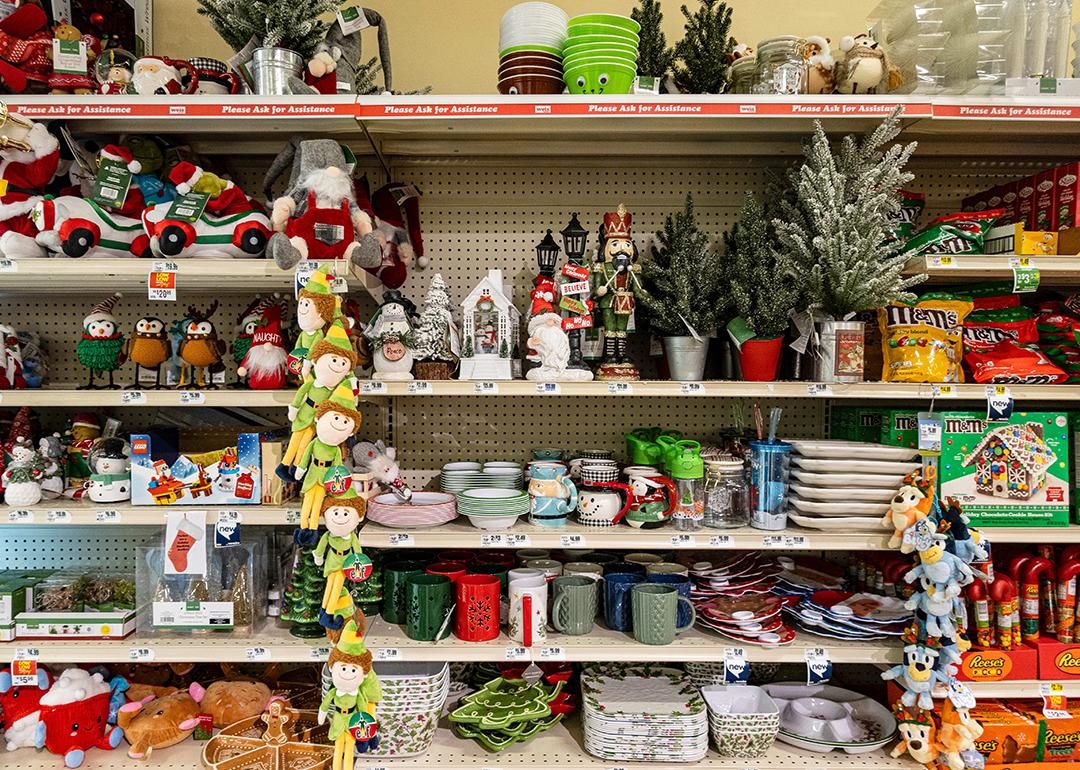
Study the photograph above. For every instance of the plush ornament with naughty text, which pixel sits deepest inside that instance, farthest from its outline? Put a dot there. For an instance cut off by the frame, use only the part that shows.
(265, 364)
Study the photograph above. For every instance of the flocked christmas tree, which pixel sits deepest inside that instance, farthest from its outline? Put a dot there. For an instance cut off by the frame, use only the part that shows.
(762, 280)
(683, 279)
(834, 220)
(705, 49)
(302, 597)
(433, 336)
(294, 24)
(655, 58)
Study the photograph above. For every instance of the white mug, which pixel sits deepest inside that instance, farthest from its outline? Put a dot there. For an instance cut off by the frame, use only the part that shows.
(528, 610)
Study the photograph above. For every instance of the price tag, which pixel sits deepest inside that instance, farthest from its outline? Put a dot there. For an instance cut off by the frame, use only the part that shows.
(420, 388)
(620, 389)
(960, 695)
(692, 388)
(575, 287)
(516, 653)
(818, 665)
(683, 541)
(772, 541)
(352, 20)
(1055, 704)
(192, 398)
(140, 654)
(257, 653)
(27, 653)
(721, 541)
(58, 517)
(548, 388)
(552, 653)
(401, 539)
(107, 517)
(736, 669)
(518, 541)
(166, 266)
(819, 389)
(24, 669)
(374, 388)
(132, 398)
(572, 541)
(999, 403)
(292, 516)
(796, 541)
(161, 286)
(486, 388)
(492, 540)
(339, 285)
(318, 653)
(941, 260)
(1025, 279)
(69, 58)
(387, 653)
(9, 266)
(930, 427)
(21, 516)
(943, 391)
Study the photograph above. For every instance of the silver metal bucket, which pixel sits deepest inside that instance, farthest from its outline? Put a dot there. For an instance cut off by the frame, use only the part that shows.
(686, 357)
(838, 350)
(271, 69)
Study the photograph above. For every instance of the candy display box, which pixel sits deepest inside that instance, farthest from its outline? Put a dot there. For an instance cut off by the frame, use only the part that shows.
(993, 665)
(856, 423)
(1013, 473)
(227, 476)
(1057, 660)
(900, 427)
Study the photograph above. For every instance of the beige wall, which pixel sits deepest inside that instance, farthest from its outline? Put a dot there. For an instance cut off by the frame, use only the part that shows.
(453, 44)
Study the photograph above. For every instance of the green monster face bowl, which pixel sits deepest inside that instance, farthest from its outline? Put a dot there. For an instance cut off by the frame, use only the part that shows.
(604, 30)
(576, 61)
(613, 19)
(600, 78)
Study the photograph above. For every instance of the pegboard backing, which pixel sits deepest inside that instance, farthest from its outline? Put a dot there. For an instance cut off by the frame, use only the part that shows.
(105, 548)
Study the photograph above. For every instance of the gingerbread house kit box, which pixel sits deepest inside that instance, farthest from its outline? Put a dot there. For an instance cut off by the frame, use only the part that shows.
(1013, 473)
(229, 476)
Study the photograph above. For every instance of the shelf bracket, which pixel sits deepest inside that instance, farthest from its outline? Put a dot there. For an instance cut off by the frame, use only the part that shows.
(376, 150)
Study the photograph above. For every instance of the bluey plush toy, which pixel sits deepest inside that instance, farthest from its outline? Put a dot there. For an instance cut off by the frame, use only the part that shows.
(939, 566)
(919, 672)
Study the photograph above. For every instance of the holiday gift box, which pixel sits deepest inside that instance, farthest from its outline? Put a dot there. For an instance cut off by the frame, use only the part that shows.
(228, 595)
(1059, 738)
(1013, 473)
(227, 476)
(857, 423)
(79, 605)
(115, 624)
(132, 21)
(900, 427)
(1045, 201)
(994, 665)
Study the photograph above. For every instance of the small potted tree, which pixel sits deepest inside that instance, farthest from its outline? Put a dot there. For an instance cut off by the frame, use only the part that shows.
(833, 223)
(655, 58)
(764, 288)
(684, 293)
(705, 50)
(437, 335)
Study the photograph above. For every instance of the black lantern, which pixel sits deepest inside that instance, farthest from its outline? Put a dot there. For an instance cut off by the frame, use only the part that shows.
(547, 252)
(574, 237)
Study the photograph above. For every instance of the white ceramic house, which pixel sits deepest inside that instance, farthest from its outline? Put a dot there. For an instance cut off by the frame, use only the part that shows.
(490, 336)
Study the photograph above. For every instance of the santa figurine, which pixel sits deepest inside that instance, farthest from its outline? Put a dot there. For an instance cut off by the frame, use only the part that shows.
(156, 75)
(549, 345)
(29, 156)
(264, 366)
(225, 197)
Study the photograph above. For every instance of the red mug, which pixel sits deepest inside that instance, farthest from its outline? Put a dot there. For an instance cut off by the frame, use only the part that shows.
(476, 617)
(456, 554)
(452, 569)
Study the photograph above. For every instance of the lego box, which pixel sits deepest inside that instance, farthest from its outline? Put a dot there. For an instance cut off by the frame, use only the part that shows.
(1013, 473)
(229, 476)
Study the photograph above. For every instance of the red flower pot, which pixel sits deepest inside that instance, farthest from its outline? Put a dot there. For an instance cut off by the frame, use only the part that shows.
(760, 359)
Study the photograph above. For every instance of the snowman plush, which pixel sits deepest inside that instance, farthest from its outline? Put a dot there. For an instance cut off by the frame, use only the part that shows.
(110, 479)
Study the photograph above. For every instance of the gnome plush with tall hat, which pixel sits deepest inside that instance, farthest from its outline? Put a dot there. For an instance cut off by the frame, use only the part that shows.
(264, 366)
(355, 692)
(101, 347)
(318, 217)
(244, 331)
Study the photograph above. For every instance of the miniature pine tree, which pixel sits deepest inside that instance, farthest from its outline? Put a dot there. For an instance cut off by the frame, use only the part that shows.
(294, 25)
(433, 336)
(834, 221)
(504, 350)
(762, 281)
(302, 597)
(705, 49)
(655, 58)
(467, 348)
(684, 279)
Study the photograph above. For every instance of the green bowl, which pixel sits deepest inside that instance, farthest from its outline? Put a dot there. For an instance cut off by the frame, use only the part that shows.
(600, 78)
(614, 19)
(578, 48)
(605, 30)
(580, 61)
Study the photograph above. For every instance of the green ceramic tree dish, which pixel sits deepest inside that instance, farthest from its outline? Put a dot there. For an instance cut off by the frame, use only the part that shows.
(502, 703)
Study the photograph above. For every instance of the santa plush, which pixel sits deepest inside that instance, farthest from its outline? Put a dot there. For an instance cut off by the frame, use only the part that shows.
(134, 203)
(265, 362)
(28, 162)
(225, 197)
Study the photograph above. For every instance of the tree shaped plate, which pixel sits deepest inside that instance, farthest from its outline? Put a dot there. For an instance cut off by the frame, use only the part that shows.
(501, 703)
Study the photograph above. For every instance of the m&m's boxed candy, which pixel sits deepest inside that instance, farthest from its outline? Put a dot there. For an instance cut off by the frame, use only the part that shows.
(1009, 473)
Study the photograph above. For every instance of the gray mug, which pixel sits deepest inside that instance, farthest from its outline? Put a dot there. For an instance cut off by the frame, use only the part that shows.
(654, 608)
(574, 609)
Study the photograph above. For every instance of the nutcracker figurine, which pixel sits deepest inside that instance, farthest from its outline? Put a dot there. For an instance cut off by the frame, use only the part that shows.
(615, 283)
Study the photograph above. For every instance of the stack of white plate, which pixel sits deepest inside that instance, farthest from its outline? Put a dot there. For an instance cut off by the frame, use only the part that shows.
(425, 509)
(642, 713)
(413, 695)
(457, 477)
(493, 508)
(845, 485)
(533, 27)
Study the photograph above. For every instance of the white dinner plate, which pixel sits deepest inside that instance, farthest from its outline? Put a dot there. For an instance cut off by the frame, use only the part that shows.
(890, 481)
(839, 509)
(843, 450)
(844, 494)
(854, 466)
(838, 524)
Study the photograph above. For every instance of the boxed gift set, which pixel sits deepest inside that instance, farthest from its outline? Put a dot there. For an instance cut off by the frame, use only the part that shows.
(76, 604)
(1011, 473)
(226, 476)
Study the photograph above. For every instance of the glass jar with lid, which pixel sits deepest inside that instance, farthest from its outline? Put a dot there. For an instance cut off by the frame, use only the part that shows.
(741, 75)
(781, 66)
(727, 494)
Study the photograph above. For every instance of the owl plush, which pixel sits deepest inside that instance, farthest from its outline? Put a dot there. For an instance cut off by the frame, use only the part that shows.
(200, 349)
(148, 348)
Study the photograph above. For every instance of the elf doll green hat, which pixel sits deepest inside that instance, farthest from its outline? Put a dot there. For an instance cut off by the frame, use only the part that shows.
(350, 647)
(317, 289)
(336, 341)
(341, 400)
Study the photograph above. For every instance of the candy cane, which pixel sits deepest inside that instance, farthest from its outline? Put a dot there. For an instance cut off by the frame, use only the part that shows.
(1066, 598)
(1033, 602)
(1003, 594)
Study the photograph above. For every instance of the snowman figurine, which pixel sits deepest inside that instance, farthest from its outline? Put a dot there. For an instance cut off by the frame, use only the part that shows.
(392, 337)
(23, 475)
(110, 479)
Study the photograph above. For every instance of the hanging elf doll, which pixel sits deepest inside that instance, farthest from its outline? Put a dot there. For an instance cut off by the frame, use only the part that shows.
(332, 360)
(338, 551)
(336, 420)
(351, 700)
(316, 308)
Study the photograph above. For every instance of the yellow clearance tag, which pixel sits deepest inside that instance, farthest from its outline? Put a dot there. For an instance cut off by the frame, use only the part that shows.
(3, 187)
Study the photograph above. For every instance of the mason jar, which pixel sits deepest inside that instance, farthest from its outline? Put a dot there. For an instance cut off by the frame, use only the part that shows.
(781, 66)
(741, 75)
(727, 494)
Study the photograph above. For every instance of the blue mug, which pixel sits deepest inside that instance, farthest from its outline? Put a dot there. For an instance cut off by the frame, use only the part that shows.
(617, 609)
(682, 584)
(616, 567)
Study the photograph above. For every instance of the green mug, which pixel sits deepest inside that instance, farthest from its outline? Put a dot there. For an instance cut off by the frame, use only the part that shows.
(574, 609)
(429, 602)
(395, 574)
(498, 570)
(655, 607)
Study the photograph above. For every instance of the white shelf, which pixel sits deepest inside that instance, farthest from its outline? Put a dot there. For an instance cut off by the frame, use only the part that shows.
(64, 512)
(79, 276)
(556, 749)
(1016, 688)
(601, 645)
(1053, 270)
(71, 397)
